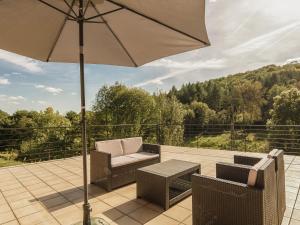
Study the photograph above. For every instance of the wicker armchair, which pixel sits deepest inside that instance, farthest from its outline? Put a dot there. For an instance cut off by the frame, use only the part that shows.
(278, 156)
(114, 162)
(228, 199)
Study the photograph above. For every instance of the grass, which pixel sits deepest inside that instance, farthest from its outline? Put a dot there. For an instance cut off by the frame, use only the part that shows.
(6, 162)
(224, 142)
(8, 159)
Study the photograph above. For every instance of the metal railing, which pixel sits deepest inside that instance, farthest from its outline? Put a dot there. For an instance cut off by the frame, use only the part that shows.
(37, 144)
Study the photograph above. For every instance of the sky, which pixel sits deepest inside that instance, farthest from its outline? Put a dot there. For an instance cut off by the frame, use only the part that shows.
(244, 35)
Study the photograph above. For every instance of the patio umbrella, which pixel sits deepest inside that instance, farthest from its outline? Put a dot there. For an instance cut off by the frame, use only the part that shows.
(116, 32)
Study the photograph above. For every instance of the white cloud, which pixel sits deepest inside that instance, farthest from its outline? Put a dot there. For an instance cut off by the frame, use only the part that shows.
(43, 103)
(4, 81)
(52, 90)
(212, 1)
(24, 62)
(264, 41)
(293, 60)
(15, 100)
(171, 64)
(182, 68)
(73, 93)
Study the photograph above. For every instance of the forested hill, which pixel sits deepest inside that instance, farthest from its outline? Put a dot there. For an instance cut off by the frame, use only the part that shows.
(248, 97)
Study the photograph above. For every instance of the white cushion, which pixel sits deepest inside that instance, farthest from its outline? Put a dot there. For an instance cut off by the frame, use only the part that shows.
(132, 145)
(114, 147)
(254, 170)
(144, 155)
(122, 160)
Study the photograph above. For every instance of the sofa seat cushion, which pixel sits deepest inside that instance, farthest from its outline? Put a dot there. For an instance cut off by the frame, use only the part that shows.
(144, 155)
(132, 145)
(114, 147)
(122, 160)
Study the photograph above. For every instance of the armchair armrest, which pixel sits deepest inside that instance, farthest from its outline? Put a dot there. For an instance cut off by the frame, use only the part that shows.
(152, 148)
(100, 165)
(220, 185)
(218, 201)
(233, 172)
(246, 160)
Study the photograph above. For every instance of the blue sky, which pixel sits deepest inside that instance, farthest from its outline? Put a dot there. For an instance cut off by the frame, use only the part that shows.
(244, 35)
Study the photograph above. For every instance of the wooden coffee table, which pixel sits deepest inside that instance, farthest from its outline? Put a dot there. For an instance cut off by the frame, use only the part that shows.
(166, 183)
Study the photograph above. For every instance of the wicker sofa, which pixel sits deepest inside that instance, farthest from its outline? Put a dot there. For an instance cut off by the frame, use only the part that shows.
(114, 162)
(239, 195)
(278, 156)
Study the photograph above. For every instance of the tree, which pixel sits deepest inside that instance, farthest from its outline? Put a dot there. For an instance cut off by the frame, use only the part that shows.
(119, 104)
(199, 114)
(73, 117)
(286, 108)
(5, 120)
(171, 114)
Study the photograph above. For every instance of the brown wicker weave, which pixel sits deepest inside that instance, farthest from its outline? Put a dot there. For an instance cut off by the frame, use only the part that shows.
(278, 156)
(166, 183)
(105, 175)
(228, 200)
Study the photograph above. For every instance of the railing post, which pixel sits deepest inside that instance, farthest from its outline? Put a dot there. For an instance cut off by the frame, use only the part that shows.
(158, 133)
(245, 139)
(231, 136)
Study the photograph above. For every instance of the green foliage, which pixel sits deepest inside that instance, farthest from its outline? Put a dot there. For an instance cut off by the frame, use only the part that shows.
(171, 114)
(6, 162)
(224, 141)
(119, 104)
(244, 97)
(286, 108)
(200, 114)
(268, 94)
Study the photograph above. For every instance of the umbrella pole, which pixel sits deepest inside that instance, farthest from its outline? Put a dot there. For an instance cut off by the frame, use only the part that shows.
(86, 205)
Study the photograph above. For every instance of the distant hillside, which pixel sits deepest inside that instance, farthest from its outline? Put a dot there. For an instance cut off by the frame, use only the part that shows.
(250, 93)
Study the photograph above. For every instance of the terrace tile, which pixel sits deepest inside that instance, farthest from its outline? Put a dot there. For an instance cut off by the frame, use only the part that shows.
(50, 192)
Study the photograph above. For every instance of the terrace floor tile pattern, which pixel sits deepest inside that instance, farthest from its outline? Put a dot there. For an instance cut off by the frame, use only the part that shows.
(51, 193)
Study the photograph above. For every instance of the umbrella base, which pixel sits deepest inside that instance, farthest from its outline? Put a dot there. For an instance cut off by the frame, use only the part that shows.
(95, 221)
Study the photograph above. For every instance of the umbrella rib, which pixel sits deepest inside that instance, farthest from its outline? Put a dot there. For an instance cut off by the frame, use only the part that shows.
(103, 14)
(115, 35)
(70, 7)
(157, 21)
(57, 9)
(59, 34)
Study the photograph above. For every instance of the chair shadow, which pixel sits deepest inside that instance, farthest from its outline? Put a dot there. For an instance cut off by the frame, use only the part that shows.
(62, 199)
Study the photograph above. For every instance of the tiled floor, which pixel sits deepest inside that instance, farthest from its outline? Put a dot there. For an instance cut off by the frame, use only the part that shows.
(51, 193)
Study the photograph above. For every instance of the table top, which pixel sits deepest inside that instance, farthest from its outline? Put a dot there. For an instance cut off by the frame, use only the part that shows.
(170, 168)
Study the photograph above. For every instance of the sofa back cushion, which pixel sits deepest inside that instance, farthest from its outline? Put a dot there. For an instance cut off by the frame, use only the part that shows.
(255, 170)
(114, 147)
(132, 145)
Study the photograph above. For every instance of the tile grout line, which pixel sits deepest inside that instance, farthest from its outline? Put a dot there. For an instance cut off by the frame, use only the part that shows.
(298, 192)
(65, 168)
(69, 183)
(10, 209)
(58, 192)
(30, 193)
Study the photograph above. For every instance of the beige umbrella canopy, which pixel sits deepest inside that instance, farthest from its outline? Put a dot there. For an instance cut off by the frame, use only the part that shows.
(116, 32)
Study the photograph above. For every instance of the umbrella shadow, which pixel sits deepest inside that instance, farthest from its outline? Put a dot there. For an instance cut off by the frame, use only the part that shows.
(62, 199)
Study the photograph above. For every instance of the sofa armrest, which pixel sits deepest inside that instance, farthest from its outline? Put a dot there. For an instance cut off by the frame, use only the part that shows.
(100, 165)
(152, 148)
(233, 172)
(246, 160)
